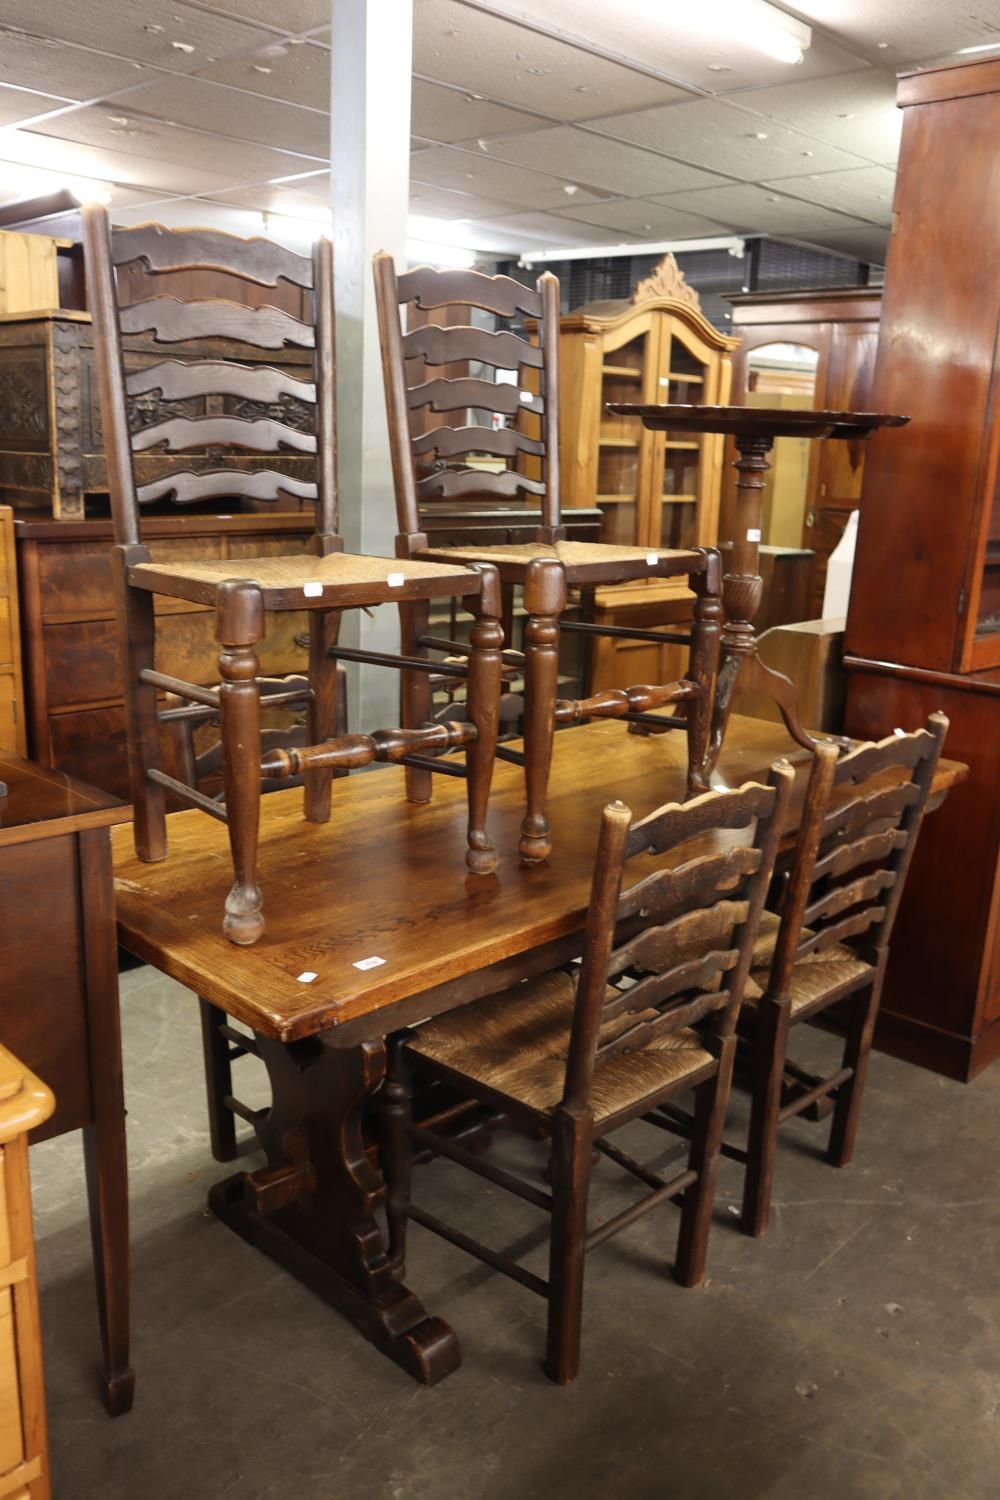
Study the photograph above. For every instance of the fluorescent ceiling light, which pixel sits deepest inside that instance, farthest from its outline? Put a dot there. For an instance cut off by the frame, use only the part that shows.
(35, 182)
(983, 47)
(434, 253)
(765, 28)
(732, 243)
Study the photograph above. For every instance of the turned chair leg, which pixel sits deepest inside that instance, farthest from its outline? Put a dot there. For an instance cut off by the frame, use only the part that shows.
(324, 629)
(544, 601)
(483, 686)
(706, 633)
(857, 1050)
(711, 1103)
(137, 632)
(397, 1159)
(770, 1046)
(240, 625)
(416, 697)
(570, 1168)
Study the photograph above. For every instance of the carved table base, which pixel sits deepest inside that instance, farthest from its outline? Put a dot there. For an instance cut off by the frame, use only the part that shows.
(312, 1207)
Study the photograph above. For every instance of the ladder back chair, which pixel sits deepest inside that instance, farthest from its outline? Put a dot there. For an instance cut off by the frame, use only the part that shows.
(438, 466)
(862, 815)
(576, 1053)
(213, 392)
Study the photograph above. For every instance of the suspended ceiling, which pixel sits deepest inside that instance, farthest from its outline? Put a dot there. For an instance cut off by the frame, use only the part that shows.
(569, 123)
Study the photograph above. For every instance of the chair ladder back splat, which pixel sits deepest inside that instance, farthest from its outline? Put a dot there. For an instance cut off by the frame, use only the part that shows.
(219, 386)
(859, 827)
(567, 1057)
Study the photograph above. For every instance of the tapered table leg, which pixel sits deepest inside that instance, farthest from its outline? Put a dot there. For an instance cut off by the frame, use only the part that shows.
(312, 1208)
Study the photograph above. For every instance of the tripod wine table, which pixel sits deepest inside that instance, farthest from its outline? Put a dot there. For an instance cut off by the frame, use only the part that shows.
(753, 430)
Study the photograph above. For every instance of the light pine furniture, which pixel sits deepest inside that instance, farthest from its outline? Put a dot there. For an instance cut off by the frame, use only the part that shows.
(923, 626)
(29, 275)
(320, 1032)
(578, 1052)
(25, 1104)
(324, 580)
(653, 489)
(840, 327)
(59, 1006)
(12, 727)
(512, 454)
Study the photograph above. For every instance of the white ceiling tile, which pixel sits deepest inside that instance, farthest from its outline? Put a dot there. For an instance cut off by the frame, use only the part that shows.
(298, 199)
(597, 161)
(291, 15)
(914, 30)
(645, 220)
(865, 192)
(686, 42)
(114, 166)
(228, 112)
(446, 115)
(18, 104)
(143, 30)
(99, 125)
(486, 54)
(300, 75)
(543, 230)
(56, 67)
(863, 242)
(747, 208)
(715, 134)
(856, 111)
(475, 172)
(438, 203)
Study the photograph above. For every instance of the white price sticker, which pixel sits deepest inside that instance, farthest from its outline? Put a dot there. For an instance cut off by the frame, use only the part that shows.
(368, 963)
(313, 590)
(527, 397)
(753, 535)
(307, 977)
(652, 558)
(395, 580)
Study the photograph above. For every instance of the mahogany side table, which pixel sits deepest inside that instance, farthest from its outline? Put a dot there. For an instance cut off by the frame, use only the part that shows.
(59, 1005)
(753, 430)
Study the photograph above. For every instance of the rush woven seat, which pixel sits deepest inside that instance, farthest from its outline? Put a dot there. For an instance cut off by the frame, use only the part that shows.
(517, 1044)
(815, 980)
(504, 461)
(575, 1053)
(245, 378)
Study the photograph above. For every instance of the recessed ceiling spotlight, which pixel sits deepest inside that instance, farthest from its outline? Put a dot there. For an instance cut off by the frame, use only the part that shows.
(882, 44)
(570, 188)
(757, 135)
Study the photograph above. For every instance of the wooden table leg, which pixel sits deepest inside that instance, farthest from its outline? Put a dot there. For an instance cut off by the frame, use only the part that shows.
(104, 1137)
(741, 670)
(312, 1207)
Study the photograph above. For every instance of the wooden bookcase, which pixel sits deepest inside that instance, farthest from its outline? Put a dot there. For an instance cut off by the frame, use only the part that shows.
(653, 489)
(923, 631)
(838, 327)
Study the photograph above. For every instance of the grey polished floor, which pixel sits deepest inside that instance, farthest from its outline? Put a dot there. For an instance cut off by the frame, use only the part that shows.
(853, 1352)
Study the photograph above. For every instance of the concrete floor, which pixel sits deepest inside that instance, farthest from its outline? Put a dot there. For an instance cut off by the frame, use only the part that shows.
(853, 1352)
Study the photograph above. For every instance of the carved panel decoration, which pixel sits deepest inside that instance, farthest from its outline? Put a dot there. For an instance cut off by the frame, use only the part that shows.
(287, 409)
(666, 280)
(24, 413)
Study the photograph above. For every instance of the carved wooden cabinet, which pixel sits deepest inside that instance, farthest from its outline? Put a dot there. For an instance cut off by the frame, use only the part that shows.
(811, 349)
(70, 639)
(923, 626)
(51, 442)
(653, 489)
(25, 1104)
(12, 730)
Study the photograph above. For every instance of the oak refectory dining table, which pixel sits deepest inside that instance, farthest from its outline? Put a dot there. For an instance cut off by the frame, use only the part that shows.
(372, 927)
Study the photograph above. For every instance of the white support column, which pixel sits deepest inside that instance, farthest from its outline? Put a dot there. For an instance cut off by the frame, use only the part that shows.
(372, 51)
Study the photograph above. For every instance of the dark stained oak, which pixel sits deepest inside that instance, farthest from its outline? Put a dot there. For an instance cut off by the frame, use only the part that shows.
(59, 1005)
(243, 593)
(443, 939)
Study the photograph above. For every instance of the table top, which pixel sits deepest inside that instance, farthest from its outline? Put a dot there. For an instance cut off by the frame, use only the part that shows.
(38, 798)
(756, 421)
(385, 880)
